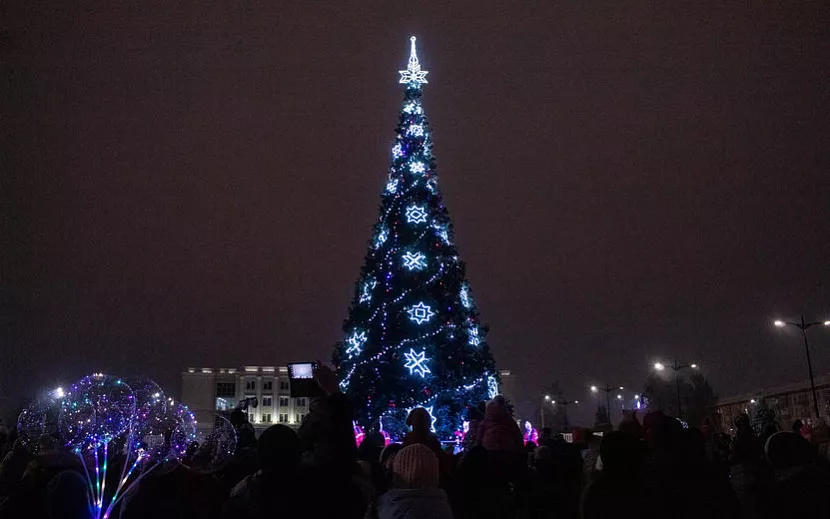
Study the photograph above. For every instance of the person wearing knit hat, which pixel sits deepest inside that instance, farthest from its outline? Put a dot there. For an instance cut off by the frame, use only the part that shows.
(415, 493)
(416, 466)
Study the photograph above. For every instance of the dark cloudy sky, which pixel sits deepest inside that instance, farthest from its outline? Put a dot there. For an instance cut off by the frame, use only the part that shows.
(193, 183)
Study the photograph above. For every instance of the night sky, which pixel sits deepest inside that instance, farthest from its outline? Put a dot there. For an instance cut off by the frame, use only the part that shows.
(188, 184)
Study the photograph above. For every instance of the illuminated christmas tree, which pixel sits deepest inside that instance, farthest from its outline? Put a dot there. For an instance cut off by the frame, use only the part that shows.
(413, 336)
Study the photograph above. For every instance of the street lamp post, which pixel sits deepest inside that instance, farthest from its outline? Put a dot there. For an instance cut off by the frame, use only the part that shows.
(607, 389)
(802, 325)
(542, 410)
(659, 366)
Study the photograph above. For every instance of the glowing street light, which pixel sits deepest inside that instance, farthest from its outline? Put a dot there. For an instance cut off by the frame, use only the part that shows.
(803, 325)
(659, 366)
(58, 392)
(607, 390)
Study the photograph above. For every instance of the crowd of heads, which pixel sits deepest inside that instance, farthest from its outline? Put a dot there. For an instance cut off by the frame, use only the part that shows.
(652, 467)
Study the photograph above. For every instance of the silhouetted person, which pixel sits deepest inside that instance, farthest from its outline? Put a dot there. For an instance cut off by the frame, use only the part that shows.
(620, 481)
(278, 479)
(800, 488)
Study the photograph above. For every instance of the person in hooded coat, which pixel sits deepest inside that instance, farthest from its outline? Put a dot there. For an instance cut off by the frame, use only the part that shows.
(415, 493)
(421, 423)
(498, 432)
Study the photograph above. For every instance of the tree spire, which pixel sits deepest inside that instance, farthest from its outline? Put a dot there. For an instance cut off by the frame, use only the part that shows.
(413, 76)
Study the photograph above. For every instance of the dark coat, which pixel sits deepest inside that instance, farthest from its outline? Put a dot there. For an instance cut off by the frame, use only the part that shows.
(419, 503)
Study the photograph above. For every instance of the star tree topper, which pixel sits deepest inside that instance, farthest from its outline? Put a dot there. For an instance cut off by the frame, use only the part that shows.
(413, 75)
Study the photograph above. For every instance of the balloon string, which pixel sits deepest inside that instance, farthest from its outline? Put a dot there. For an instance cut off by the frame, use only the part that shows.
(117, 497)
(91, 493)
(129, 453)
(103, 478)
(97, 485)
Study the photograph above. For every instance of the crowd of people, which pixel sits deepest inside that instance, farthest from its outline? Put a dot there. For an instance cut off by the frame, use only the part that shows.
(653, 468)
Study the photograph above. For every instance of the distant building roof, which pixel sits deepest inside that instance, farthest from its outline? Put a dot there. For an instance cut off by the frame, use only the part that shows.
(822, 381)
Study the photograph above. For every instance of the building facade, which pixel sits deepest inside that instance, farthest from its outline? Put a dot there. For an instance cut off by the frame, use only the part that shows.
(790, 402)
(209, 390)
(508, 385)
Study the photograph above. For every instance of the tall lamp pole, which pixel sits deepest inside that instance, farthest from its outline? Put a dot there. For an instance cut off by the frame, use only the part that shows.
(607, 390)
(659, 366)
(802, 325)
(542, 410)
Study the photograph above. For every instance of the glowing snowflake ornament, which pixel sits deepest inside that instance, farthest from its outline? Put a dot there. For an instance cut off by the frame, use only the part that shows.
(366, 292)
(356, 342)
(474, 339)
(397, 151)
(420, 313)
(413, 75)
(416, 129)
(492, 386)
(392, 186)
(412, 108)
(415, 363)
(415, 214)
(465, 297)
(414, 261)
(417, 167)
(380, 239)
(443, 233)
